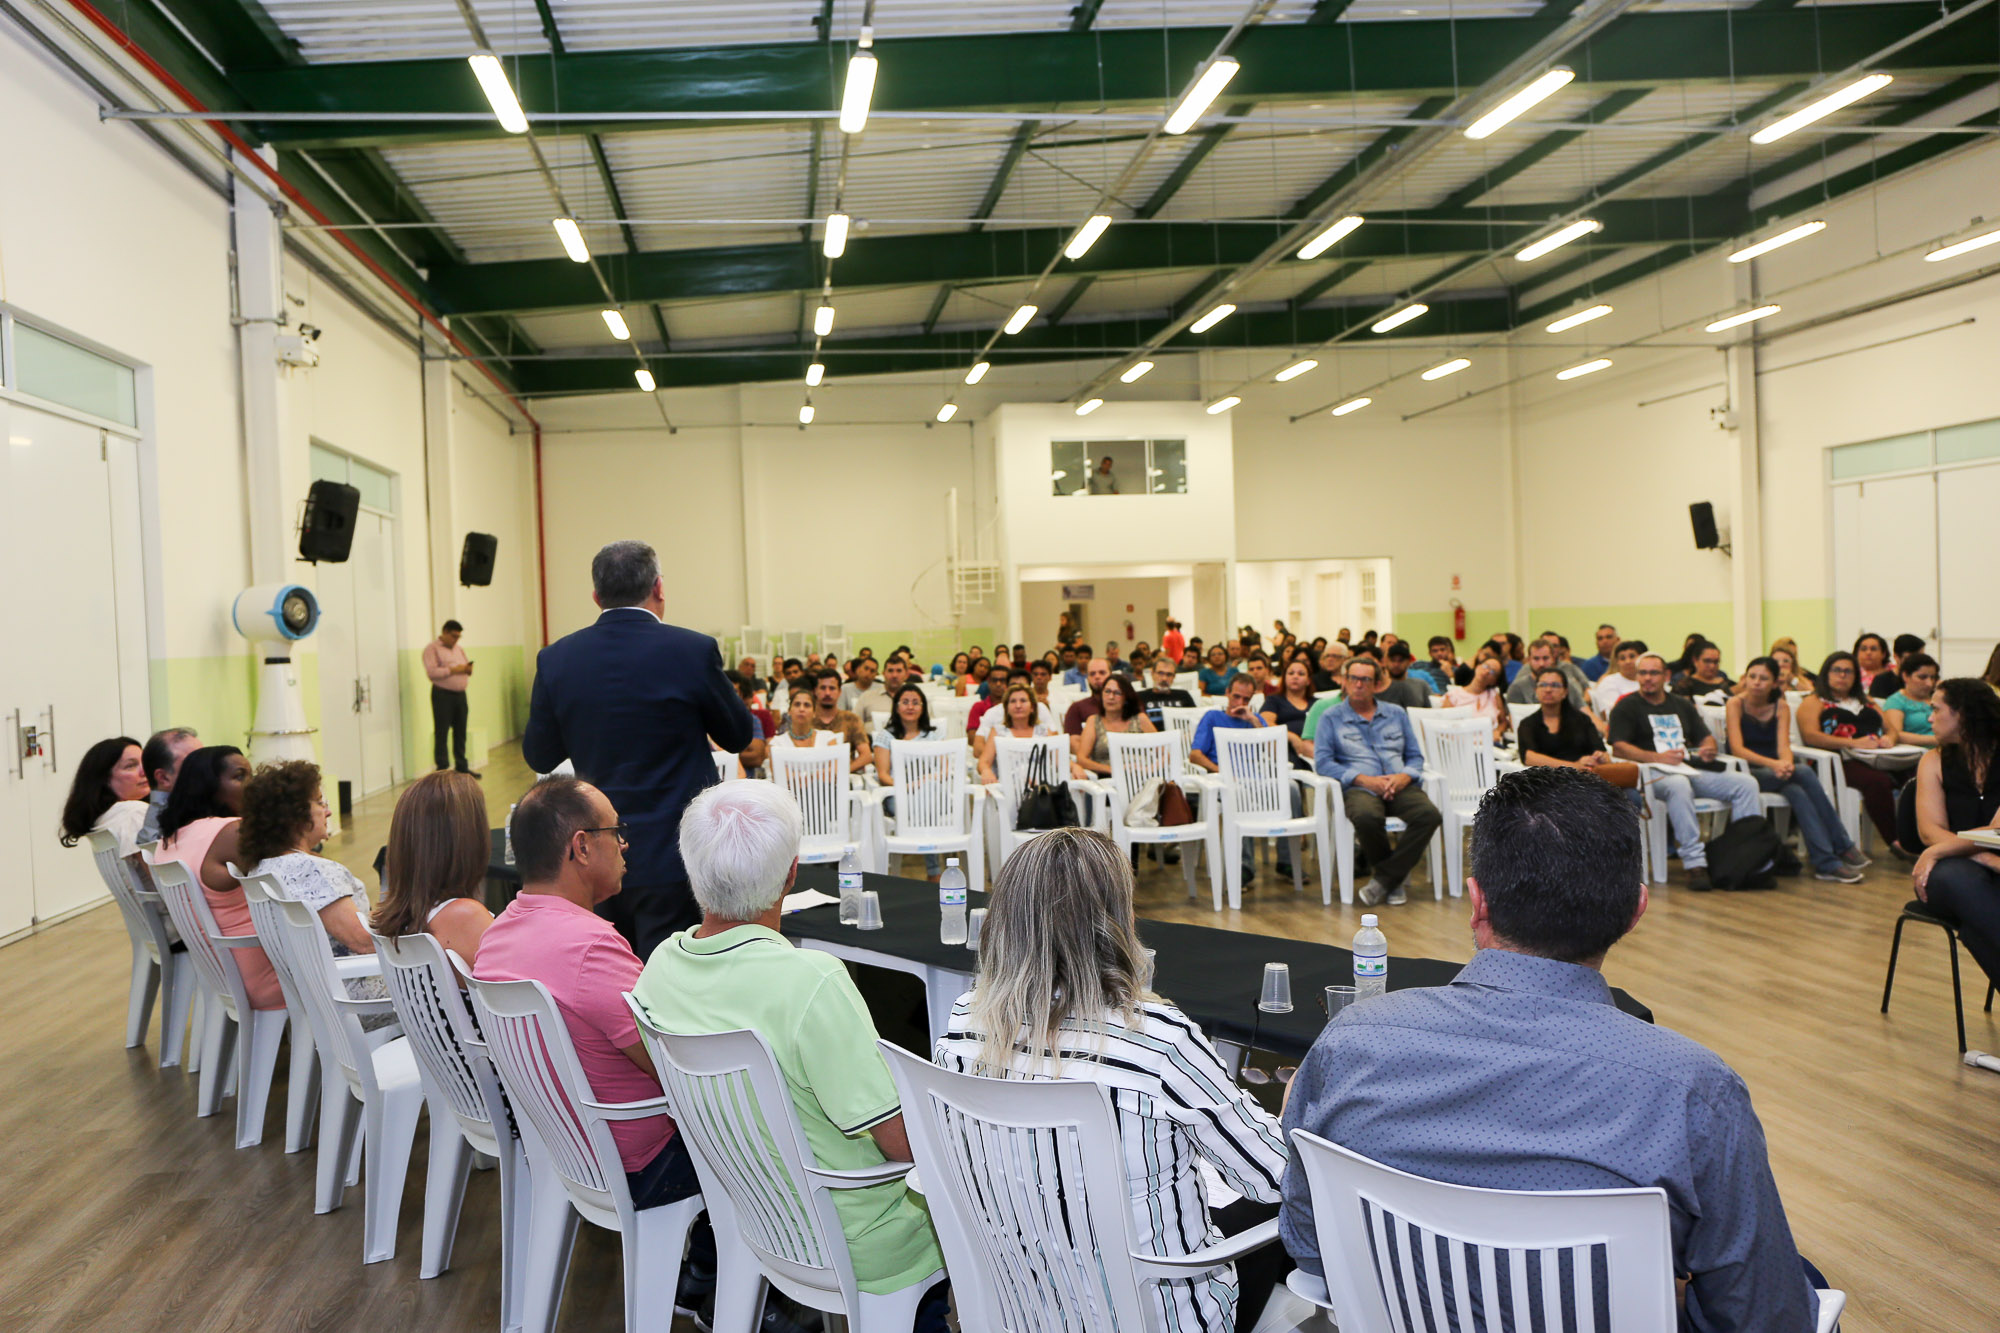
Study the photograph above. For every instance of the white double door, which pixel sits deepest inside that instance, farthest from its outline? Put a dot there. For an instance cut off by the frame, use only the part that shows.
(1918, 554)
(73, 659)
(361, 709)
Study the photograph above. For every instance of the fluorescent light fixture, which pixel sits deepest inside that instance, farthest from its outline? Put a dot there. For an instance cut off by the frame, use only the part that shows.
(571, 236)
(645, 378)
(1329, 238)
(1556, 240)
(1587, 368)
(1222, 405)
(1399, 317)
(978, 372)
(1352, 405)
(1798, 233)
(1966, 246)
(616, 323)
(1212, 318)
(1207, 86)
(499, 93)
(1451, 367)
(1745, 317)
(1568, 322)
(1019, 319)
(1296, 369)
(1543, 88)
(860, 90)
(806, 415)
(834, 244)
(823, 321)
(1086, 235)
(1825, 106)
(1138, 369)
(947, 412)
(1088, 406)
(814, 374)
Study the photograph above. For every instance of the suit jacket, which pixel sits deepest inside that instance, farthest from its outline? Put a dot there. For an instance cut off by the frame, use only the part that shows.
(632, 704)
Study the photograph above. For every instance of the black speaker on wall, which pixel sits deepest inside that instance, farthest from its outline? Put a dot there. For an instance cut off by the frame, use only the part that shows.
(1702, 515)
(327, 531)
(475, 561)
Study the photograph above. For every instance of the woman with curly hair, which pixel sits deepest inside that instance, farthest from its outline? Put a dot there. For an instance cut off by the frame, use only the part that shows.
(438, 848)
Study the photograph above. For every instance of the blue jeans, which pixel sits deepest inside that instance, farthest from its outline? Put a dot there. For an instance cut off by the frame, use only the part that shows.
(1677, 791)
(1819, 824)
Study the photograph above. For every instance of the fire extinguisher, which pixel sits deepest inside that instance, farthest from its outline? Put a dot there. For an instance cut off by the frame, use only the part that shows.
(1457, 619)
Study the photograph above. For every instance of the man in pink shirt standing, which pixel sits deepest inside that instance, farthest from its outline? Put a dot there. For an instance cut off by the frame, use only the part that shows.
(450, 671)
(570, 848)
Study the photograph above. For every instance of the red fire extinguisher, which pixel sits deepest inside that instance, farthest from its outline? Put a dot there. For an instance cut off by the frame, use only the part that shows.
(1457, 619)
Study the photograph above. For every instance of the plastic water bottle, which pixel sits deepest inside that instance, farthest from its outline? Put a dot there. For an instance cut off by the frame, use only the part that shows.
(951, 904)
(507, 855)
(850, 887)
(1371, 959)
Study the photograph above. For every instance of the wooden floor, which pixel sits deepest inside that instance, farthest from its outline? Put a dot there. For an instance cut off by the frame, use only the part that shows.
(121, 1211)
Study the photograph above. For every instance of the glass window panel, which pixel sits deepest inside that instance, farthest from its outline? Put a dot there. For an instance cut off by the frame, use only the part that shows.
(328, 465)
(1878, 456)
(1959, 444)
(1167, 473)
(62, 372)
(374, 485)
(1066, 467)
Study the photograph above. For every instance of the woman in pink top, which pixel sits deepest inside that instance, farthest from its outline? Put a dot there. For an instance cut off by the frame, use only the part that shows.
(198, 828)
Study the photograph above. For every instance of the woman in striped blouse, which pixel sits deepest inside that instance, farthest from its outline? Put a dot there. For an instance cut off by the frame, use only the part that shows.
(1062, 993)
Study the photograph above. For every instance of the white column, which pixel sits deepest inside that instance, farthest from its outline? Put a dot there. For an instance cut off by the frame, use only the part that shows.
(442, 526)
(1746, 504)
(260, 299)
(1510, 485)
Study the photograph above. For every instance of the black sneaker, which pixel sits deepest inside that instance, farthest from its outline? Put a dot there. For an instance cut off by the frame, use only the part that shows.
(1698, 879)
(781, 1314)
(695, 1296)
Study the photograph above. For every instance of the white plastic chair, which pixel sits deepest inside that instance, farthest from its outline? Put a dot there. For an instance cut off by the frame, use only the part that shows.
(1832, 776)
(1520, 712)
(937, 808)
(302, 1084)
(1139, 758)
(728, 767)
(1776, 808)
(763, 1185)
(1467, 768)
(1382, 1231)
(1254, 790)
(993, 1154)
(573, 1162)
(373, 1072)
(158, 967)
(1181, 722)
(239, 1045)
(467, 1112)
(1016, 762)
(817, 780)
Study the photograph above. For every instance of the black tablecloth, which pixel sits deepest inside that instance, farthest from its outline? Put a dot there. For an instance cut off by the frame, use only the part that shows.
(1214, 975)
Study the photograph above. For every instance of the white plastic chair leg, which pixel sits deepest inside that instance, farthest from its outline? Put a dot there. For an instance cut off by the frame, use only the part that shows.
(653, 1254)
(257, 1059)
(891, 1312)
(301, 1090)
(139, 1008)
(445, 1175)
(515, 1197)
(177, 984)
(390, 1132)
(551, 1233)
(197, 1024)
(215, 1041)
(739, 1288)
(339, 1122)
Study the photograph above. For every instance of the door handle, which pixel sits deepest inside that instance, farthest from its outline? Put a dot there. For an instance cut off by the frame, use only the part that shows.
(49, 735)
(357, 694)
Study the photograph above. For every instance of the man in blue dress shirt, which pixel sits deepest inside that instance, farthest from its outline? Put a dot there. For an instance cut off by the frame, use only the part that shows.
(1371, 750)
(1522, 1075)
(1607, 653)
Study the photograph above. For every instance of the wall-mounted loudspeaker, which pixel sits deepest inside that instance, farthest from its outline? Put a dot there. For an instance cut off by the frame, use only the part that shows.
(475, 562)
(1702, 515)
(327, 531)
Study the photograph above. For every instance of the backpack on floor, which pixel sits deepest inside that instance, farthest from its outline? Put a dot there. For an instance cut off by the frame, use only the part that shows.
(1742, 855)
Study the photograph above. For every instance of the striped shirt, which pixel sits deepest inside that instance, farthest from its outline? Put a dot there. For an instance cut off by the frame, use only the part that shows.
(1175, 1102)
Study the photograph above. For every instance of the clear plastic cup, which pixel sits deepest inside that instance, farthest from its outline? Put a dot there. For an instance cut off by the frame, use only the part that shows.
(1338, 998)
(1277, 996)
(973, 925)
(871, 910)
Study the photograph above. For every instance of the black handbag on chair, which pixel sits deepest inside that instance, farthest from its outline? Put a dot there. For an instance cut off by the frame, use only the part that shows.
(1044, 804)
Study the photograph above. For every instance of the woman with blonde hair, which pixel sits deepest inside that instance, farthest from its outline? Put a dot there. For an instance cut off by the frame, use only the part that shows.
(1791, 680)
(438, 850)
(1064, 992)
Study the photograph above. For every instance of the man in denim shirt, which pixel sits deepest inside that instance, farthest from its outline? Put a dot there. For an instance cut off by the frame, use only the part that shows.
(1371, 750)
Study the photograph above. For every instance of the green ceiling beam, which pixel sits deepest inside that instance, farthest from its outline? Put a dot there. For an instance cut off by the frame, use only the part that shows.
(948, 258)
(1366, 158)
(1674, 152)
(1052, 69)
(1039, 342)
(1197, 152)
(1618, 277)
(239, 33)
(1069, 298)
(1328, 11)
(1547, 145)
(1085, 14)
(1023, 133)
(1313, 291)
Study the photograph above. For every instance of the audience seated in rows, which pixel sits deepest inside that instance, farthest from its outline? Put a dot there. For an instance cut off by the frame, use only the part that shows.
(1287, 704)
(1064, 991)
(1164, 693)
(435, 868)
(162, 758)
(846, 726)
(1370, 749)
(1217, 671)
(753, 755)
(735, 971)
(1443, 666)
(1622, 679)
(1119, 713)
(1484, 692)
(1404, 686)
(1760, 733)
(1878, 670)
(1095, 674)
(1522, 1074)
(799, 729)
(1020, 716)
(1908, 709)
(1790, 678)
(108, 792)
(1651, 726)
(1593, 668)
(908, 719)
(1234, 714)
(1958, 790)
(1075, 667)
(1840, 716)
(1331, 659)
(1705, 679)
(200, 829)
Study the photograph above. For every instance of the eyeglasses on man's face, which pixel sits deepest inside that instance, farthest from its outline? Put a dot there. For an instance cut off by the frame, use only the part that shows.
(624, 832)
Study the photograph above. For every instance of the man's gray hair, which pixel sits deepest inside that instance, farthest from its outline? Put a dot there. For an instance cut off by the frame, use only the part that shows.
(623, 573)
(739, 839)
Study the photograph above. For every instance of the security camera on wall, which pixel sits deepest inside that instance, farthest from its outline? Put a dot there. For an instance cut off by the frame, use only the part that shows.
(273, 617)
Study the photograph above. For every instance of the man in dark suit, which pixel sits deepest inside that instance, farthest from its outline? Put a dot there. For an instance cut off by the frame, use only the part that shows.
(632, 702)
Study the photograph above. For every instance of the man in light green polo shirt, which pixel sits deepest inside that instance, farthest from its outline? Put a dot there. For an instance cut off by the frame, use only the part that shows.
(734, 971)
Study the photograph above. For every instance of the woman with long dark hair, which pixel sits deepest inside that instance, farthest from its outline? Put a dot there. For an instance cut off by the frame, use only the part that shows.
(909, 720)
(1958, 789)
(1871, 659)
(1064, 991)
(109, 792)
(1839, 715)
(199, 828)
(436, 867)
(1287, 706)
(1760, 734)
(1120, 713)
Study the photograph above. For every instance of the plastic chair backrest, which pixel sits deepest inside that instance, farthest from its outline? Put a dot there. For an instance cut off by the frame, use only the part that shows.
(1403, 1253)
(795, 643)
(1015, 764)
(1716, 718)
(263, 893)
(529, 1043)
(1256, 765)
(142, 922)
(1465, 756)
(308, 952)
(1519, 712)
(930, 788)
(187, 905)
(1140, 757)
(817, 780)
(728, 767)
(994, 1154)
(1181, 722)
(736, 1110)
(423, 985)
